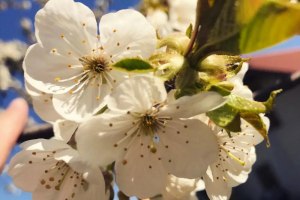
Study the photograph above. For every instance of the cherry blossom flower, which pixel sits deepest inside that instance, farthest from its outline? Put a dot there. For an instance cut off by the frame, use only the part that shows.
(51, 169)
(236, 153)
(74, 64)
(145, 133)
(180, 15)
(236, 157)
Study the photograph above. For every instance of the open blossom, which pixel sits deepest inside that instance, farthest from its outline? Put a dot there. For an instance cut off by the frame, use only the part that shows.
(236, 153)
(51, 169)
(145, 133)
(180, 15)
(236, 157)
(75, 64)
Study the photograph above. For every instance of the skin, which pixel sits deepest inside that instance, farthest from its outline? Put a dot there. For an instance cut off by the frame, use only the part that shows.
(12, 122)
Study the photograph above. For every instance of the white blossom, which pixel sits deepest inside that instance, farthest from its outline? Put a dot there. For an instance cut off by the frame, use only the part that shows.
(51, 169)
(145, 133)
(236, 157)
(12, 49)
(180, 15)
(160, 20)
(5, 78)
(74, 64)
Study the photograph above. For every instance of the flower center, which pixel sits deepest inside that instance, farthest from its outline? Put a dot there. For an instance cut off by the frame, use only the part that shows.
(97, 64)
(149, 121)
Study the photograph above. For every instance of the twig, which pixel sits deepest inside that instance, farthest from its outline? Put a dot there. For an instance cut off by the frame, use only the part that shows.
(201, 6)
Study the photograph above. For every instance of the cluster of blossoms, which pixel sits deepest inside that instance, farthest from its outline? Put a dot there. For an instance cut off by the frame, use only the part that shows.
(104, 90)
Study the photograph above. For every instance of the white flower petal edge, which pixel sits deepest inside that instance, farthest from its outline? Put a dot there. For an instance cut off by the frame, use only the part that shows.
(74, 64)
(51, 170)
(147, 139)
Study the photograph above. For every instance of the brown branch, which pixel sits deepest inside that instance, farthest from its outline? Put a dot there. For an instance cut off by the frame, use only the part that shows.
(202, 5)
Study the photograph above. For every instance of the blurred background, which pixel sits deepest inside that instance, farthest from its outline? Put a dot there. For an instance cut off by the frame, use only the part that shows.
(275, 175)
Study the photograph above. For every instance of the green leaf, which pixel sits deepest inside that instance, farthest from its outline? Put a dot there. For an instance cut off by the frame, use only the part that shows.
(224, 116)
(244, 26)
(189, 31)
(270, 102)
(245, 105)
(256, 121)
(247, 10)
(274, 22)
(133, 65)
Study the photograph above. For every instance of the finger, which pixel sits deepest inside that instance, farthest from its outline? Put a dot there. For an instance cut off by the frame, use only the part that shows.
(12, 122)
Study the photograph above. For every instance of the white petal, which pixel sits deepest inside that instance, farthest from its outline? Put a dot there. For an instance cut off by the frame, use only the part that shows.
(250, 134)
(44, 145)
(127, 33)
(187, 147)
(216, 187)
(190, 106)
(237, 179)
(239, 88)
(67, 27)
(159, 19)
(81, 104)
(141, 173)
(25, 175)
(42, 104)
(182, 13)
(102, 135)
(44, 108)
(137, 94)
(64, 130)
(46, 174)
(179, 188)
(50, 73)
(72, 185)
